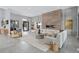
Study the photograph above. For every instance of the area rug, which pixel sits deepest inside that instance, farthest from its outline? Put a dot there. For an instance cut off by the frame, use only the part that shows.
(35, 43)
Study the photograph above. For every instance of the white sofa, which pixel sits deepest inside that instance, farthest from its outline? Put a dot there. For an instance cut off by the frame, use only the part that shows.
(59, 39)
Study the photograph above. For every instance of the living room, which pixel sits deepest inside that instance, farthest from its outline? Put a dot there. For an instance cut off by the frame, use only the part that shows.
(39, 29)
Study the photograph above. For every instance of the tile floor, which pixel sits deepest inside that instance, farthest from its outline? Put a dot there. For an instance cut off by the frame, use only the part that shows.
(17, 45)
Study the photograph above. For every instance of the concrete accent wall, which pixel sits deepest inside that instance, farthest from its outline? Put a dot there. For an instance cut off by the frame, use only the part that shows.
(52, 18)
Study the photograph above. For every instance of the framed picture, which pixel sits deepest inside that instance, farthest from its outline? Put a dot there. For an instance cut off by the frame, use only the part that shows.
(25, 26)
(7, 21)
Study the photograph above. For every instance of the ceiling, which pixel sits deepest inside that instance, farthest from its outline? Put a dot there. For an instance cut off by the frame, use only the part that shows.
(33, 10)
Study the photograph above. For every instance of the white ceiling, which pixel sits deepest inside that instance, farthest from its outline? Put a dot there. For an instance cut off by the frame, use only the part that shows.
(33, 10)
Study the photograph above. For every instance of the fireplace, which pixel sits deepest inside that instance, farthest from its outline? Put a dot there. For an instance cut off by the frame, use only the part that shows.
(50, 26)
